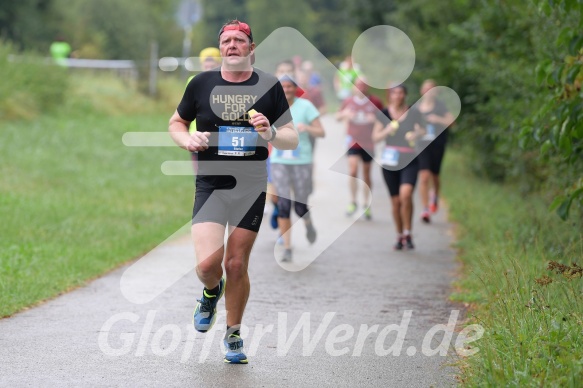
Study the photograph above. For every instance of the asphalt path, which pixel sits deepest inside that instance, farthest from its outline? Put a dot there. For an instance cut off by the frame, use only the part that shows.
(348, 311)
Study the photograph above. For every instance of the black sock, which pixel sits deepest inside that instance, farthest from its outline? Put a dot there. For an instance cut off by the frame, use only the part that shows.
(214, 291)
(232, 330)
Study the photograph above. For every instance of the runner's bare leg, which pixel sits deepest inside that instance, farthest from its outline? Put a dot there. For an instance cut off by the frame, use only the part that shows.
(396, 202)
(238, 250)
(406, 198)
(367, 180)
(424, 176)
(208, 238)
(353, 171)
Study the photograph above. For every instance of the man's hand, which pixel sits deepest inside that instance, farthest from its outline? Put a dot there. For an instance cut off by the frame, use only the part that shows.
(260, 123)
(199, 141)
(346, 114)
(433, 118)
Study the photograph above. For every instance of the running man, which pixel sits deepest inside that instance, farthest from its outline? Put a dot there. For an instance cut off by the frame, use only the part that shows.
(359, 112)
(292, 170)
(438, 119)
(400, 127)
(232, 148)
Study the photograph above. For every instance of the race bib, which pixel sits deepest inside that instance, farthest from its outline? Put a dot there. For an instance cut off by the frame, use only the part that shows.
(237, 141)
(390, 156)
(430, 135)
(348, 141)
(289, 154)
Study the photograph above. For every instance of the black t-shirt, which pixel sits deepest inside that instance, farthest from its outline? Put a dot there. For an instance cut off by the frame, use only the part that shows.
(220, 107)
(439, 109)
(408, 124)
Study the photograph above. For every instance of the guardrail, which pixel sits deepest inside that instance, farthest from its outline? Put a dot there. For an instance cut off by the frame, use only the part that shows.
(124, 68)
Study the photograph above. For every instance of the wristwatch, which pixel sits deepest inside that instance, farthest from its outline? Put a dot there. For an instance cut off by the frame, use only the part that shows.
(273, 133)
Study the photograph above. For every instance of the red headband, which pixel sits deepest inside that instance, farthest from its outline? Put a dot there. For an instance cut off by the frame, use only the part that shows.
(240, 26)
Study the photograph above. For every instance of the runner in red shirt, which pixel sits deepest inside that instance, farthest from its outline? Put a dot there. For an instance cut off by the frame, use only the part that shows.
(359, 112)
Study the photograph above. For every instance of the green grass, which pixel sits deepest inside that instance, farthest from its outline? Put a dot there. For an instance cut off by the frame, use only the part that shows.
(533, 329)
(74, 201)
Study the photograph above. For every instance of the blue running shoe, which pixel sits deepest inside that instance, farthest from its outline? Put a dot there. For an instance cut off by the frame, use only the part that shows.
(234, 347)
(274, 217)
(205, 312)
(280, 240)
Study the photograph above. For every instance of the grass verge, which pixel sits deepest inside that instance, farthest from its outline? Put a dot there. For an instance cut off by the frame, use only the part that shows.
(523, 281)
(75, 202)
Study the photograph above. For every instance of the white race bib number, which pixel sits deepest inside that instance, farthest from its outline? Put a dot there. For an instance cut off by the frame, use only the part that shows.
(237, 141)
(390, 156)
(430, 135)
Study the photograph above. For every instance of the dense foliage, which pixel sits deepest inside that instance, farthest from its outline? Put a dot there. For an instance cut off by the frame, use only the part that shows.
(517, 67)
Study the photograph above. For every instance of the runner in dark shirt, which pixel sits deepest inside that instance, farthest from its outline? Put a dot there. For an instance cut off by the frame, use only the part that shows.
(438, 119)
(237, 109)
(400, 127)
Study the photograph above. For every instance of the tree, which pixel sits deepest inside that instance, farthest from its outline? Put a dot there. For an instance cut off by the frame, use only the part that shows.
(557, 125)
(28, 23)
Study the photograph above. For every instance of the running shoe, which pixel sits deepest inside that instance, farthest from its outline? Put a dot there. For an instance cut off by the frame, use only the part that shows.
(274, 216)
(368, 214)
(425, 217)
(409, 242)
(310, 233)
(235, 353)
(205, 312)
(351, 209)
(434, 204)
(287, 255)
(399, 244)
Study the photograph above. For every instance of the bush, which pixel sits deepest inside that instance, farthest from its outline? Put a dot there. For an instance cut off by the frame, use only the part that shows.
(30, 86)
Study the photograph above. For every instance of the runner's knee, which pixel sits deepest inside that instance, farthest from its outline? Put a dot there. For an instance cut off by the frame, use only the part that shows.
(235, 266)
(284, 206)
(405, 196)
(424, 175)
(208, 267)
(301, 208)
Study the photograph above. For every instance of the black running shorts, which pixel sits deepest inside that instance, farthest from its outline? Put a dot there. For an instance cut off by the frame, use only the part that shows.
(430, 158)
(240, 208)
(394, 179)
(365, 155)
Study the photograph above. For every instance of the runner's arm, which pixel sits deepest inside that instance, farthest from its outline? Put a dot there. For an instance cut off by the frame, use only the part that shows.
(380, 131)
(419, 131)
(446, 120)
(344, 114)
(287, 137)
(315, 128)
(178, 128)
